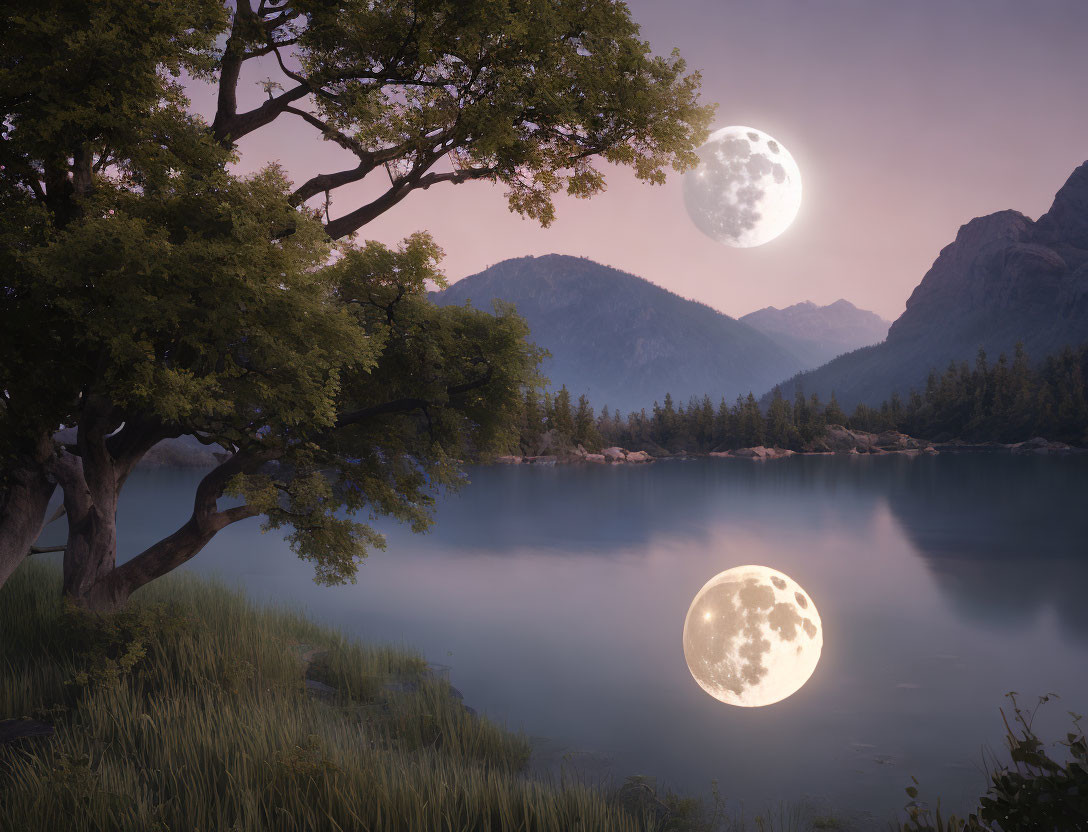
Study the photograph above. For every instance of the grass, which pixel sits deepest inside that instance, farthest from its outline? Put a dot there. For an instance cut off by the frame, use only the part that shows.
(189, 712)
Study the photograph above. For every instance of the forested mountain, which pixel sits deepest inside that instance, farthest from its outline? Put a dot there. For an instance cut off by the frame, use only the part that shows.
(622, 340)
(1004, 400)
(816, 334)
(1004, 280)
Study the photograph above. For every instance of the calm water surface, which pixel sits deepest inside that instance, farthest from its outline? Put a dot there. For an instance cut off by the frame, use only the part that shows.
(557, 596)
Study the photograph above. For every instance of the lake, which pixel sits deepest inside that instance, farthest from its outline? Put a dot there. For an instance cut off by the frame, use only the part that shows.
(557, 597)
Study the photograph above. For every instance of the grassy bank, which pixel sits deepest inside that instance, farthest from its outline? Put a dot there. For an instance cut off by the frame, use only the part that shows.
(190, 712)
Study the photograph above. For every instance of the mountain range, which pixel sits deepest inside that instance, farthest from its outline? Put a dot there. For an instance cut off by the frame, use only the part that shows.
(816, 334)
(625, 341)
(1005, 279)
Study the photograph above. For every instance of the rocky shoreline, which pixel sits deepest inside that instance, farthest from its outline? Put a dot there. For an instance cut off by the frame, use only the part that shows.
(609, 456)
(837, 440)
(187, 452)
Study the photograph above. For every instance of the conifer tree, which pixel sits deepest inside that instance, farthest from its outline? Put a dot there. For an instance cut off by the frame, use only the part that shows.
(751, 423)
(563, 418)
(834, 414)
(780, 430)
(532, 421)
(586, 433)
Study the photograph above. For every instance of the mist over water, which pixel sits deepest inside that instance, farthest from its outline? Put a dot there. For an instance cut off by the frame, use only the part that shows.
(558, 595)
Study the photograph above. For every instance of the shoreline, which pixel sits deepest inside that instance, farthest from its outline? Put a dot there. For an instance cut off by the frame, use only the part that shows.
(838, 441)
(175, 454)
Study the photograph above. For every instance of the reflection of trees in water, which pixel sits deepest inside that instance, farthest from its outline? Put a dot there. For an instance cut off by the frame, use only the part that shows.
(1005, 537)
(608, 509)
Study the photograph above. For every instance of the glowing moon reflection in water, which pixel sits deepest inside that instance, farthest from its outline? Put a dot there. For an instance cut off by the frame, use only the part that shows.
(752, 636)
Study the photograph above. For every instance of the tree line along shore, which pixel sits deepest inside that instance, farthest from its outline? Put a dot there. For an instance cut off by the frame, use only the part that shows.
(1005, 405)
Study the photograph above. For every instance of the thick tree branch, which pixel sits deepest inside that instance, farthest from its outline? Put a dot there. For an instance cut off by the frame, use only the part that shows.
(229, 125)
(228, 129)
(329, 181)
(174, 550)
(368, 161)
(233, 515)
(229, 72)
(132, 442)
(24, 498)
(99, 418)
(213, 485)
(406, 405)
(455, 177)
(353, 221)
(41, 550)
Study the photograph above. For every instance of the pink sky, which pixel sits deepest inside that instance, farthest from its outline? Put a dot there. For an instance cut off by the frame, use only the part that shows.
(907, 119)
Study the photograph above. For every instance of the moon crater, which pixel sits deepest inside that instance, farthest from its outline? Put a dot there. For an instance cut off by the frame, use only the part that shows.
(743, 636)
(746, 189)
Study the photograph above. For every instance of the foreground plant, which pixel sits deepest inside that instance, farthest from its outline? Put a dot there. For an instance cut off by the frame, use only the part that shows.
(1035, 792)
(188, 711)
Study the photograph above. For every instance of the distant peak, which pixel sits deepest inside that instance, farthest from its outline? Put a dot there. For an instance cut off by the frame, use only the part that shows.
(1077, 181)
(1067, 219)
(1007, 224)
(808, 306)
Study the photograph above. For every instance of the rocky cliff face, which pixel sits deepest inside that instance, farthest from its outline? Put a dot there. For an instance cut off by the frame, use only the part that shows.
(1004, 279)
(816, 334)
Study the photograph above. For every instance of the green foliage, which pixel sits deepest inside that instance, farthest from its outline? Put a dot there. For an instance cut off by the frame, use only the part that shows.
(95, 72)
(156, 296)
(1033, 791)
(586, 433)
(145, 286)
(87, 87)
(562, 418)
(1039, 791)
(112, 648)
(532, 422)
(525, 93)
(780, 428)
(999, 402)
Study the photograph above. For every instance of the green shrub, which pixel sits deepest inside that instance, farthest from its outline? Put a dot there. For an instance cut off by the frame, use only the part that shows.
(1032, 792)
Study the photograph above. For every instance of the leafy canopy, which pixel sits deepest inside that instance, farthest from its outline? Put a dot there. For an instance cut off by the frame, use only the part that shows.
(527, 93)
(148, 292)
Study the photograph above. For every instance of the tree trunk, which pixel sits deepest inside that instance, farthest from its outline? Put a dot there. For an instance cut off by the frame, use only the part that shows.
(97, 585)
(92, 482)
(91, 551)
(23, 502)
(112, 590)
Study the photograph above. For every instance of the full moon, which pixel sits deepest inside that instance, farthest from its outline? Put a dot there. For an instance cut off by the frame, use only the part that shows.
(746, 190)
(752, 636)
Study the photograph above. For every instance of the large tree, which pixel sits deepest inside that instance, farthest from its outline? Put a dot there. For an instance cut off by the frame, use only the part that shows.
(148, 293)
